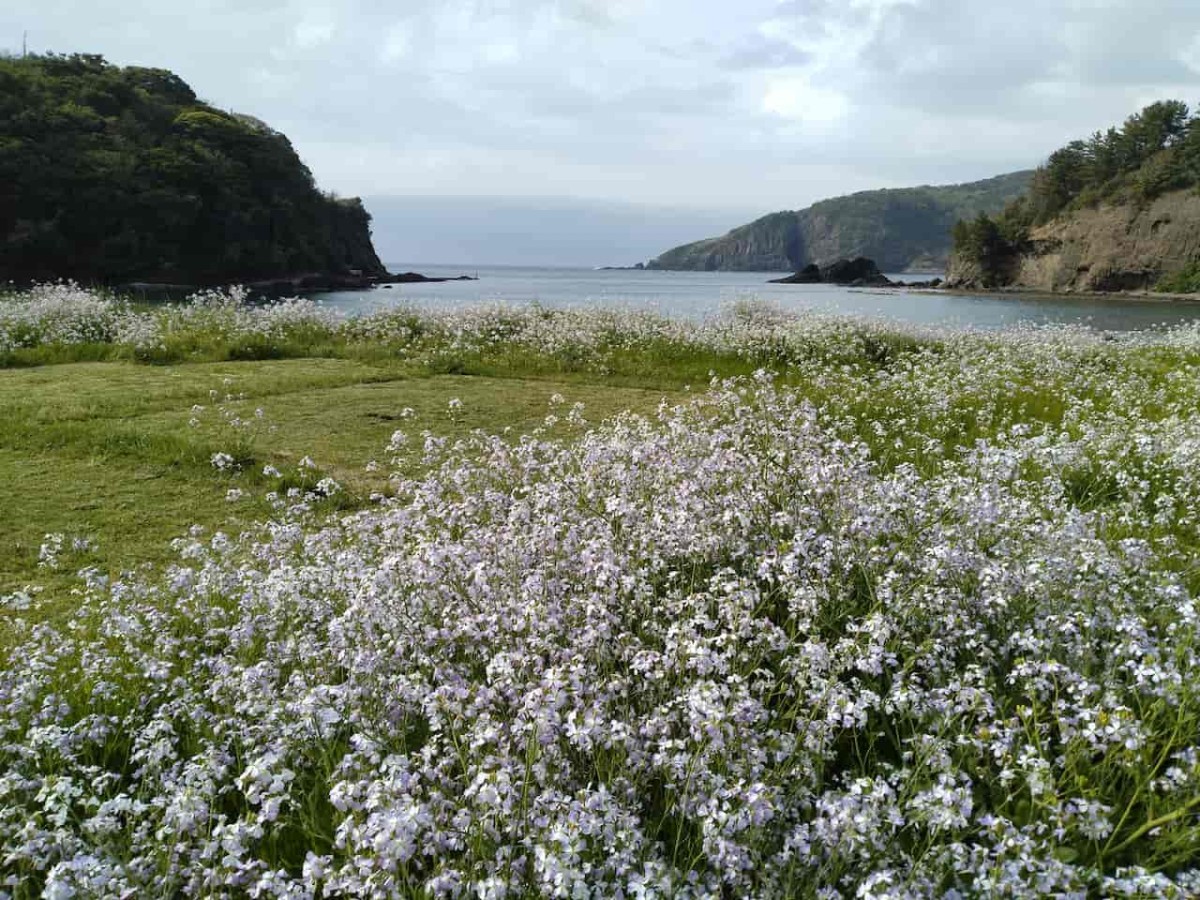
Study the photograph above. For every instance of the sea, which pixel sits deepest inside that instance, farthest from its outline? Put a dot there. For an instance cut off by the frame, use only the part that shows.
(697, 295)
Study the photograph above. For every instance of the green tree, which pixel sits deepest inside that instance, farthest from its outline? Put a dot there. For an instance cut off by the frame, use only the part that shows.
(110, 174)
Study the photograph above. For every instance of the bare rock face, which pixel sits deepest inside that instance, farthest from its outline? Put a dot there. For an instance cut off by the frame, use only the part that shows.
(963, 273)
(1107, 248)
(773, 243)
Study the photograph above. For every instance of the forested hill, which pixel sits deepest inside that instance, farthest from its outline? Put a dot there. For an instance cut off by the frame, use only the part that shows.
(1117, 211)
(905, 228)
(111, 174)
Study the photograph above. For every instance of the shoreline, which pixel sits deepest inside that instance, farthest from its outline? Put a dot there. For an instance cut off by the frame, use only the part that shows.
(307, 283)
(1036, 294)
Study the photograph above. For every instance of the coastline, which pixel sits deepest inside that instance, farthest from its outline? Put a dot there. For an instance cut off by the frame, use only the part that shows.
(306, 283)
(1036, 294)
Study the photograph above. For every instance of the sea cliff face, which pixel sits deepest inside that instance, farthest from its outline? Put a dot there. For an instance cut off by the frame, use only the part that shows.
(773, 243)
(902, 229)
(1112, 247)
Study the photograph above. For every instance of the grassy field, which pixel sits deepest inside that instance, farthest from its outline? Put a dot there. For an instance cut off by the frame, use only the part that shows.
(104, 451)
(874, 610)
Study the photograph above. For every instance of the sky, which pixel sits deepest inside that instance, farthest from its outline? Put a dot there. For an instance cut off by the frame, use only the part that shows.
(717, 106)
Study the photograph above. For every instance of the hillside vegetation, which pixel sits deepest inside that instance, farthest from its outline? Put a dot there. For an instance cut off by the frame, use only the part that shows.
(111, 174)
(1118, 210)
(905, 228)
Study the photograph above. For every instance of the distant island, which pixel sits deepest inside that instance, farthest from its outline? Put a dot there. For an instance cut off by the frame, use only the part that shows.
(906, 229)
(121, 176)
(1117, 212)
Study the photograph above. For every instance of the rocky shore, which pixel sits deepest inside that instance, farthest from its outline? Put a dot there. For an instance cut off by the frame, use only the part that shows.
(1110, 248)
(1036, 293)
(304, 283)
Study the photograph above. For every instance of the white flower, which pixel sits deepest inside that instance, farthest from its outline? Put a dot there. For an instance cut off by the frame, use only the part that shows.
(223, 461)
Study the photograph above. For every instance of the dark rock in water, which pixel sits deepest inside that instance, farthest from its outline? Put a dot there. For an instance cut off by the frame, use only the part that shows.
(860, 272)
(418, 278)
(810, 274)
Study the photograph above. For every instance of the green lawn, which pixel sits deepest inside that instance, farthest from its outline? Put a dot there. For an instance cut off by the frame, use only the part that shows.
(104, 451)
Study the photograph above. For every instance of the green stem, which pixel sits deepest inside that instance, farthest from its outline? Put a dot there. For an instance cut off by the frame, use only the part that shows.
(1157, 823)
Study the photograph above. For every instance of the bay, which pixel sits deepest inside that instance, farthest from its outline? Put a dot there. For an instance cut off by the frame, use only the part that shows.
(696, 295)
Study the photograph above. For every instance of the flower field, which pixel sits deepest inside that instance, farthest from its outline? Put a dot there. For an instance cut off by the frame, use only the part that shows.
(881, 611)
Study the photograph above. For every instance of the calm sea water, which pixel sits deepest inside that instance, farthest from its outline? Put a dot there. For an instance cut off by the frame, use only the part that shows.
(694, 295)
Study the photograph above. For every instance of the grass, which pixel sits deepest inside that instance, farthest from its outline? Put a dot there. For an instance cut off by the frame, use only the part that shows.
(104, 450)
(97, 444)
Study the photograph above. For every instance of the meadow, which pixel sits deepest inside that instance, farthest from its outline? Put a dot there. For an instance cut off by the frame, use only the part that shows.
(521, 602)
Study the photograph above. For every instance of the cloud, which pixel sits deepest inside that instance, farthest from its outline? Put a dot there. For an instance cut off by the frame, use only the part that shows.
(761, 51)
(701, 102)
(797, 99)
(397, 42)
(1190, 55)
(315, 28)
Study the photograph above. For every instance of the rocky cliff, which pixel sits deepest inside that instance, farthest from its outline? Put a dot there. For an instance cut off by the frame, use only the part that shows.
(902, 229)
(1111, 247)
(1117, 211)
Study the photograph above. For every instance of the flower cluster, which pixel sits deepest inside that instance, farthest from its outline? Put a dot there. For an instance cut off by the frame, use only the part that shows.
(726, 650)
(592, 339)
(64, 313)
(913, 617)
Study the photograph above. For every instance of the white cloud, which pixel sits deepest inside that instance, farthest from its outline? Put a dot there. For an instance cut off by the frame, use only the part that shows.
(1190, 56)
(760, 102)
(796, 99)
(316, 28)
(397, 42)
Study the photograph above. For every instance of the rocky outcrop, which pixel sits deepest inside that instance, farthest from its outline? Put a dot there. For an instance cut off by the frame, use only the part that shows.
(858, 272)
(1113, 247)
(810, 274)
